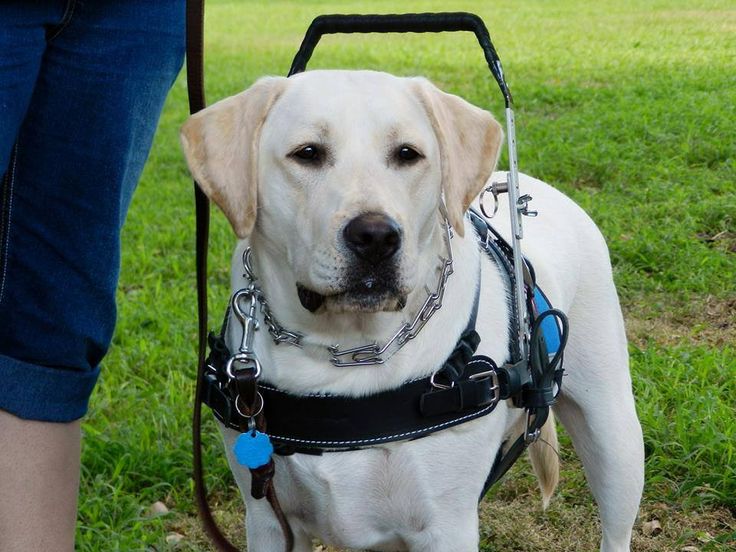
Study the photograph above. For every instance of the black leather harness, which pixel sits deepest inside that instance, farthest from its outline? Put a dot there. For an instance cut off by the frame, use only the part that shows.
(314, 424)
(466, 387)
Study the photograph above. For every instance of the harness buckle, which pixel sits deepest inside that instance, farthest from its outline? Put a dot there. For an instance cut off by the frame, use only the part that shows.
(496, 384)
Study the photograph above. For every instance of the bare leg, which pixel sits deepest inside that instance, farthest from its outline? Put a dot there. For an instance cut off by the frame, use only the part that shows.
(39, 481)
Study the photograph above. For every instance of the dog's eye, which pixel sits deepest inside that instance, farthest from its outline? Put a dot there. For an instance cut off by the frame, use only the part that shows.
(309, 153)
(407, 153)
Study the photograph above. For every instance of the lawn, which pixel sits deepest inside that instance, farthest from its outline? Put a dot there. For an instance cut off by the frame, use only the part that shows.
(629, 107)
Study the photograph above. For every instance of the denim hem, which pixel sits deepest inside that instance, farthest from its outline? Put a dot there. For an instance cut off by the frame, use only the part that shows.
(41, 393)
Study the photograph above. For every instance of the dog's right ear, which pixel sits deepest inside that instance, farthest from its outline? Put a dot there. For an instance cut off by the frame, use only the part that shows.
(221, 147)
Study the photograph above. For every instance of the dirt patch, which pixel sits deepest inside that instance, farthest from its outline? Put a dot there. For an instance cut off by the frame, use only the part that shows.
(575, 527)
(723, 240)
(705, 320)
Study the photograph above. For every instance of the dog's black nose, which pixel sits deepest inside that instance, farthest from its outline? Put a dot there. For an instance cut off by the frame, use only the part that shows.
(373, 237)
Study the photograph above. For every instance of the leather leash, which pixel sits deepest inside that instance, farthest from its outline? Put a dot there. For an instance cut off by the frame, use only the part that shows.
(195, 90)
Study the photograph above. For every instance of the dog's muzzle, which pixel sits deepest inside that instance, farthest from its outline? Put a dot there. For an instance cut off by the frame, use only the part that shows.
(371, 284)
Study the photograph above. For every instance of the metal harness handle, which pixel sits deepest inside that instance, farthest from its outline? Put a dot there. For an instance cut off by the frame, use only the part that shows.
(402, 23)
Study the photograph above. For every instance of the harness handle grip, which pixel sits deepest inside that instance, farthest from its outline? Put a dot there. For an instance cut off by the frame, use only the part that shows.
(402, 23)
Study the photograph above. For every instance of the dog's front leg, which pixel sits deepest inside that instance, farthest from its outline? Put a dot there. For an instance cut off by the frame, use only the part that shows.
(264, 533)
(262, 528)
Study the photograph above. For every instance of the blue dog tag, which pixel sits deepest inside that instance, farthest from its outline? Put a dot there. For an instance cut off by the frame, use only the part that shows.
(253, 449)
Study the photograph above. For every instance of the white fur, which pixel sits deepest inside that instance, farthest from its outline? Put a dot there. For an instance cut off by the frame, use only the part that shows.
(418, 495)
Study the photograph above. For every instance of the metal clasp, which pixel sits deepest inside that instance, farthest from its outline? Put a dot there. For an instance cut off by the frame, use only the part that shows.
(523, 206)
(247, 361)
(248, 320)
(531, 436)
(245, 358)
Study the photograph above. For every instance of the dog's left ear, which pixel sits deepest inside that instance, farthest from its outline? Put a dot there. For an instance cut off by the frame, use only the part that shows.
(470, 143)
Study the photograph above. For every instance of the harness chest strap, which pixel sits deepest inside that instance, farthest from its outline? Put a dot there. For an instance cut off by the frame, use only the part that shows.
(321, 423)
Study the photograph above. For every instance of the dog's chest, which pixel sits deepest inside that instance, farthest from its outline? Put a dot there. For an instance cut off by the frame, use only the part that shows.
(388, 496)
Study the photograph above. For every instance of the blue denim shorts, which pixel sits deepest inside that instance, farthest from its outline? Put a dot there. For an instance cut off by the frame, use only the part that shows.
(82, 84)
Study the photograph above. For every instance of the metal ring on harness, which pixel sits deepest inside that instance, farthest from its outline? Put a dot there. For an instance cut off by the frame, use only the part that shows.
(440, 385)
(259, 398)
(491, 189)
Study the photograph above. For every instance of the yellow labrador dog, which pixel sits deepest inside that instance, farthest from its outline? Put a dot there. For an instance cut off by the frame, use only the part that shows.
(336, 180)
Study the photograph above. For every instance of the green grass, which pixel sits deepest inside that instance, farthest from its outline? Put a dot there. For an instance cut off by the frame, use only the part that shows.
(629, 107)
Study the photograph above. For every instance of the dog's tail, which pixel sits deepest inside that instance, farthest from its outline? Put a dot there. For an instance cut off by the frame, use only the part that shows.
(545, 460)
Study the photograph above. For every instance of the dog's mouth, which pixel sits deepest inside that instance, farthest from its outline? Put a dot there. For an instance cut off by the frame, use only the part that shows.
(310, 300)
(370, 294)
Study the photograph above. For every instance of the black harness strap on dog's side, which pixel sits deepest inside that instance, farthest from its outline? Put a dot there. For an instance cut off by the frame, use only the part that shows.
(529, 382)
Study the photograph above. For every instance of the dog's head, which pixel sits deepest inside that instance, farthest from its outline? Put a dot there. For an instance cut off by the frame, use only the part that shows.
(342, 175)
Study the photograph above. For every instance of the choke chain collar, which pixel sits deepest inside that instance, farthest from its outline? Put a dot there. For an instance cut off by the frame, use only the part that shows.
(361, 355)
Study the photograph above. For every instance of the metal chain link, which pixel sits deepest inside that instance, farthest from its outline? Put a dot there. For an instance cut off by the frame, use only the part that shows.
(276, 330)
(363, 355)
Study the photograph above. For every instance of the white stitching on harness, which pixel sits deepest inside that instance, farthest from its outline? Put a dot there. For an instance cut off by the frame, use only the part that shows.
(264, 386)
(324, 395)
(379, 439)
(480, 361)
(11, 181)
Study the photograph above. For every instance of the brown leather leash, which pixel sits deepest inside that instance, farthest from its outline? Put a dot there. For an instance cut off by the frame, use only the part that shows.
(263, 477)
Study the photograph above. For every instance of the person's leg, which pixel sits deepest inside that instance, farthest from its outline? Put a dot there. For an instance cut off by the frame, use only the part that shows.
(79, 153)
(32, 482)
(39, 462)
